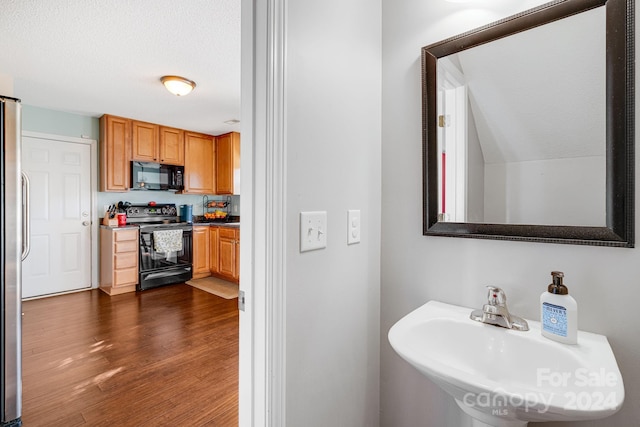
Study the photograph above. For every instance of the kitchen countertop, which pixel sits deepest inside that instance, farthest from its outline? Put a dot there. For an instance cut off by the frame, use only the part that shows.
(218, 224)
(204, 223)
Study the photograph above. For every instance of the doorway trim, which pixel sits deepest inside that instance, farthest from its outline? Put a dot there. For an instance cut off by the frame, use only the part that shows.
(94, 194)
(262, 377)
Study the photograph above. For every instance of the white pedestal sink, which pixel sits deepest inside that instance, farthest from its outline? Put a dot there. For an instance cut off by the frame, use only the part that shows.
(508, 378)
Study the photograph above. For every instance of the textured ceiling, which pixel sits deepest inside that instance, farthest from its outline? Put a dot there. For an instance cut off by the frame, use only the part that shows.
(93, 57)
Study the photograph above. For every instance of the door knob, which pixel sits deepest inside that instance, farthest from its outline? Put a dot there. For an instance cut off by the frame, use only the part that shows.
(86, 223)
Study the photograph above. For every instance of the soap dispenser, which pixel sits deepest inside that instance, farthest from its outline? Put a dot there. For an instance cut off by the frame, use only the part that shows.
(559, 312)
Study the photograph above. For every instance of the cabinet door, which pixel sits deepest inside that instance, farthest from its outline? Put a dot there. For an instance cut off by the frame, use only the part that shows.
(214, 242)
(200, 251)
(171, 146)
(227, 254)
(115, 153)
(199, 167)
(227, 163)
(144, 141)
(237, 272)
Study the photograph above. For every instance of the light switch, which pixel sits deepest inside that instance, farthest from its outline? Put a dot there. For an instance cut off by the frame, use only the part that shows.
(313, 230)
(353, 227)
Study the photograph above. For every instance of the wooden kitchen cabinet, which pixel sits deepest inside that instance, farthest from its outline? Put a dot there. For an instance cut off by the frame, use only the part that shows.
(144, 141)
(157, 144)
(224, 252)
(171, 146)
(118, 260)
(115, 153)
(201, 251)
(199, 163)
(228, 250)
(214, 243)
(228, 163)
(236, 276)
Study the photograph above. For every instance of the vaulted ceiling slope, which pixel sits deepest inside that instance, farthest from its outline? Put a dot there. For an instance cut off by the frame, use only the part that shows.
(107, 56)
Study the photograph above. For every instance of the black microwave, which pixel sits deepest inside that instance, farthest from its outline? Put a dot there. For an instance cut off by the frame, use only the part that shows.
(154, 176)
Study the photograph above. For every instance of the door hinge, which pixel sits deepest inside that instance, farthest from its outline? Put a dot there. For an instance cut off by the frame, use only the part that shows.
(441, 120)
(241, 300)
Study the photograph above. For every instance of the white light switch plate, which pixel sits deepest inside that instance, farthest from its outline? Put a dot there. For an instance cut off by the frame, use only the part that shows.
(313, 230)
(353, 227)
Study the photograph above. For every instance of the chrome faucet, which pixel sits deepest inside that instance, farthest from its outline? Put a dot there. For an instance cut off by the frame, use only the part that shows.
(495, 312)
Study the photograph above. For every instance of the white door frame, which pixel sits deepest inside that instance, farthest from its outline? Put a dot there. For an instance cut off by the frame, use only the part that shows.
(263, 213)
(93, 188)
(452, 105)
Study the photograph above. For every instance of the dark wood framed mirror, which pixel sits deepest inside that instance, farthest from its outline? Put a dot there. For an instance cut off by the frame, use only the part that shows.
(602, 134)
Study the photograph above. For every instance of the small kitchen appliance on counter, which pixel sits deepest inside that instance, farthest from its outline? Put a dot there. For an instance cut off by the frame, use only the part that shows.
(186, 213)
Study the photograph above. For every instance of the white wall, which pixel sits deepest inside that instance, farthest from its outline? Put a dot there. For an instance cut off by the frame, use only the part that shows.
(333, 144)
(6, 85)
(553, 192)
(416, 269)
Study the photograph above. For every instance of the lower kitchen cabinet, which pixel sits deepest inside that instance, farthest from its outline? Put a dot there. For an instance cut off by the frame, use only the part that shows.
(228, 253)
(201, 251)
(214, 244)
(236, 276)
(118, 260)
(216, 251)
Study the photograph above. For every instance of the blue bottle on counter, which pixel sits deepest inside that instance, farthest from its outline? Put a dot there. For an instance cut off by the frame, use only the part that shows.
(186, 213)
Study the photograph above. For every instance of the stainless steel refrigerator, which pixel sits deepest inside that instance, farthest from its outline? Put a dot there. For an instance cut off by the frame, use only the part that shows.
(14, 250)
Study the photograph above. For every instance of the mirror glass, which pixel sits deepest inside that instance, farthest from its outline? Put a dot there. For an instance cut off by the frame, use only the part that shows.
(529, 153)
(522, 137)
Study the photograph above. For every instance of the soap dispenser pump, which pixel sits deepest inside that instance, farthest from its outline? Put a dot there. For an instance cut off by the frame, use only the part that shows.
(559, 312)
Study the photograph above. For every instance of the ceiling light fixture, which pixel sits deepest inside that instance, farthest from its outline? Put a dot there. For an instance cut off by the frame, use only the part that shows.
(177, 85)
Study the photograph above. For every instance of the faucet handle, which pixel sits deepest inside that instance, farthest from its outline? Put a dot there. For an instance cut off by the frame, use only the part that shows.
(496, 296)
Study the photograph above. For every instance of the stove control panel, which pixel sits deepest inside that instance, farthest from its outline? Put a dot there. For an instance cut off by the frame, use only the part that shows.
(157, 212)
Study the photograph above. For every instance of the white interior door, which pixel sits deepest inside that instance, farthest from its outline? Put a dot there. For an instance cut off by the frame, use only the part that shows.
(60, 209)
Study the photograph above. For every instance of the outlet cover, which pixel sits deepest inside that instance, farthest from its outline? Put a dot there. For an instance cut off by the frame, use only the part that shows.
(353, 227)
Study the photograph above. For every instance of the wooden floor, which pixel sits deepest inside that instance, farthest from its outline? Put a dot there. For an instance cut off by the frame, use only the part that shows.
(162, 357)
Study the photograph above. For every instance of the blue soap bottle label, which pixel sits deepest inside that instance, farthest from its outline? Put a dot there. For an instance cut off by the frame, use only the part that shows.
(554, 319)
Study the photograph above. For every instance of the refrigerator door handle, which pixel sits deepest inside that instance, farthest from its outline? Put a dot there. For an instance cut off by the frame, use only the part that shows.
(26, 217)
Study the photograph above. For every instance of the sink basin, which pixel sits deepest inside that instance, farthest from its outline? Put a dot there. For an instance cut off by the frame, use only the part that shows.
(508, 378)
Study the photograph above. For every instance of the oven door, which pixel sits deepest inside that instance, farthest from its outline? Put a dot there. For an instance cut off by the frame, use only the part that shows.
(159, 266)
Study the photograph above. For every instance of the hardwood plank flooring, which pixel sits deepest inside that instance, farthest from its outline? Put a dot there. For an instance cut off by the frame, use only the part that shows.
(163, 357)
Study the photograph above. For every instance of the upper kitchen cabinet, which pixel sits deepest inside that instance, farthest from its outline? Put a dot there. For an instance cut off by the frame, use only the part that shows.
(228, 163)
(144, 141)
(158, 144)
(171, 146)
(115, 153)
(199, 163)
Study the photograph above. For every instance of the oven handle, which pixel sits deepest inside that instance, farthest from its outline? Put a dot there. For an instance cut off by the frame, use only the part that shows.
(165, 273)
(150, 231)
